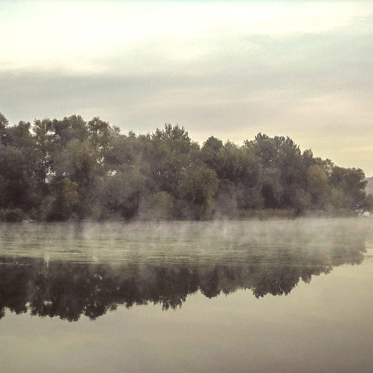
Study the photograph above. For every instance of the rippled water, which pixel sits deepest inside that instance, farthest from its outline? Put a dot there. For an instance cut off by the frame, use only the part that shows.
(285, 296)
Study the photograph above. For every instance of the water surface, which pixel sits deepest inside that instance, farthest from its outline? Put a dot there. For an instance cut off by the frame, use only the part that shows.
(287, 296)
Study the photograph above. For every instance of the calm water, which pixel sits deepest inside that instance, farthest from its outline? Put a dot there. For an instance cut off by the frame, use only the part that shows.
(289, 296)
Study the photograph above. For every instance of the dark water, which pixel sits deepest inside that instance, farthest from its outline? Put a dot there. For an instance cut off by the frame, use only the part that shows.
(290, 296)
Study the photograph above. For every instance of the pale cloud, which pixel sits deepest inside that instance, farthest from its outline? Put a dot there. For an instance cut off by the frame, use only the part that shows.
(228, 69)
(83, 37)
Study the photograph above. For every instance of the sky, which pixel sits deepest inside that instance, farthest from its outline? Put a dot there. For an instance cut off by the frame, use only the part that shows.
(228, 69)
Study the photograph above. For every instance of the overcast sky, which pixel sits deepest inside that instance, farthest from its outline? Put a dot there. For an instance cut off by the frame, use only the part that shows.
(296, 68)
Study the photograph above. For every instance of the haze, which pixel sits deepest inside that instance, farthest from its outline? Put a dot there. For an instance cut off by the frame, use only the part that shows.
(229, 69)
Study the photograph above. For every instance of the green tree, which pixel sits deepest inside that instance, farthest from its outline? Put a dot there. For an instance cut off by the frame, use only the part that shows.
(266, 149)
(272, 189)
(3, 126)
(284, 175)
(13, 184)
(318, 186)
(61, 202)
(351, 182)
(121, 191)
(65, 130)
(42, 141)
(170, 155)
(99, 134)
(240, 166)
(209, 152)
(81, 166)
(368, 203)
(197, 190)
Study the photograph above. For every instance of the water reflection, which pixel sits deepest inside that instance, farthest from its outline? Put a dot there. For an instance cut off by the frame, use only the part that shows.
(68, 289)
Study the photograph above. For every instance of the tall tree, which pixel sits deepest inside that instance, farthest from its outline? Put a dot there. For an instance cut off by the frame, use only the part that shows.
(170, 155)
(240, 166)
(3, 126)
(197, 190)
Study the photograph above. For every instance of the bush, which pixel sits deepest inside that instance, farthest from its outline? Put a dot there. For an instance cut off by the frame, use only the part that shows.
(11, 215)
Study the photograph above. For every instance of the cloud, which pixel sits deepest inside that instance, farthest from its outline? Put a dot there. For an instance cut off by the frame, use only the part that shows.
(230, 70)
(81, 38)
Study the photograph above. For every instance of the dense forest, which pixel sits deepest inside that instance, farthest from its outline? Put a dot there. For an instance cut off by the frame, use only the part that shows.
(54, 170)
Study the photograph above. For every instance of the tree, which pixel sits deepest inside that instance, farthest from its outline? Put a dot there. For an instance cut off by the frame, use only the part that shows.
(197, 190)
(12, 182)
(240, 166)
(368, 203)
(272, 189)
(80, 165)
(3, 126)
(42, 141)
(266, 149)
(99, 133)
(284, 171)
(61, 202)
(67, 129)
(121, 191)
(318, 186)
(170, 155)
(209, 152)
(47, 162)
(351, 182)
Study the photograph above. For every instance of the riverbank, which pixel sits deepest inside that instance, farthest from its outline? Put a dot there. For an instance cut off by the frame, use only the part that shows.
(17, 215)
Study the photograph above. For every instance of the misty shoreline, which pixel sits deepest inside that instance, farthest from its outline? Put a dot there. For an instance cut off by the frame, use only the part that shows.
(70, 169)
(251, 215)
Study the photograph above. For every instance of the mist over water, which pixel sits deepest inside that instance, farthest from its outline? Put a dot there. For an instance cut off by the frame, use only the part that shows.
(175, 241)
(248, 296)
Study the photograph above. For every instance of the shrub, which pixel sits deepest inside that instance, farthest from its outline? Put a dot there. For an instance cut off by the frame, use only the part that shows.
(11, 215)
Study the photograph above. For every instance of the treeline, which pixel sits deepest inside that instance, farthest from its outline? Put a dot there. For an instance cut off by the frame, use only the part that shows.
(53, 170)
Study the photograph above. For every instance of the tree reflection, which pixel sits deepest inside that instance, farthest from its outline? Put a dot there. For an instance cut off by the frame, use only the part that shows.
(68, 290)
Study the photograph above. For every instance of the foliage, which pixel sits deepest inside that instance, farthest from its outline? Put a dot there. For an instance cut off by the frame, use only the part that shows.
(11, 215)
(59, 169)
(60, 203)
(197, 190)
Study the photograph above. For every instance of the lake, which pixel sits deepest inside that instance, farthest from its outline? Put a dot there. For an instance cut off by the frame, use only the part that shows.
(235, 296)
